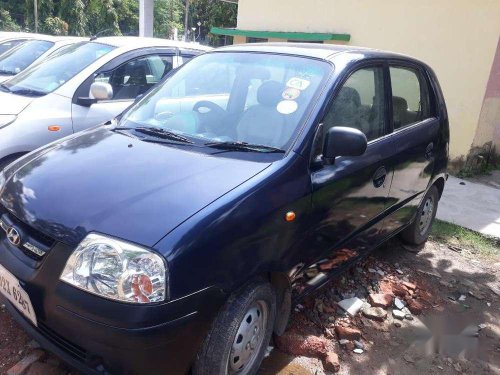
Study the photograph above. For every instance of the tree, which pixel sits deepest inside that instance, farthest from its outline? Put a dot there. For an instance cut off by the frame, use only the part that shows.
(6, 22)
(103, 16)
(168, 16)
(210, 13)
(128, 16)
(73, 13)
(54, 26)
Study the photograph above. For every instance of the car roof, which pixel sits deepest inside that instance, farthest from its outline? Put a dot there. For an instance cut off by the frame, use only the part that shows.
(134, 42)
(313, 50)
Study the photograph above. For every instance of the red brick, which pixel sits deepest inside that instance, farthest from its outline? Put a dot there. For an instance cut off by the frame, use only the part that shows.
(410, 286)
(331, 362)
(20, 367)
(308, 346)
(380, 300)
(415, 307)
(348, 333)
(40, 368)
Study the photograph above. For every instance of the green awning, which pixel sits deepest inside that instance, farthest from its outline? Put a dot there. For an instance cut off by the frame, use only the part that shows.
(281, 35)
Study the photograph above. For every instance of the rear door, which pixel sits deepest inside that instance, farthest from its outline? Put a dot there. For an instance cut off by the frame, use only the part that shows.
(129, 77)
(349, 196)
(415, 131)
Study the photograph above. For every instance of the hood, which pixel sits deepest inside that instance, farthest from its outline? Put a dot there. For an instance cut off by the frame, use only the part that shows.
(11, 104)
(109, 183)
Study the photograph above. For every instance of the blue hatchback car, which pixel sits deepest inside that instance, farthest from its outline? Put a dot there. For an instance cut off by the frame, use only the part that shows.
(177, 237)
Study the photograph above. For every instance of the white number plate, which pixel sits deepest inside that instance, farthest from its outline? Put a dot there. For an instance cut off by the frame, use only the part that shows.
(10, 288)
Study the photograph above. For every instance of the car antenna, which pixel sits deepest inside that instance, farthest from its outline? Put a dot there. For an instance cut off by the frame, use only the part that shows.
(98, 34)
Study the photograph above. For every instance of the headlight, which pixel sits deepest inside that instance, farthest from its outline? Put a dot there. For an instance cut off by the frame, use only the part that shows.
(117, 270)
(6, 120)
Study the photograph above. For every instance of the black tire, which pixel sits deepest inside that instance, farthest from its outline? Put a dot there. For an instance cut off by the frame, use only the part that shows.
(414, 234)
(214, 356)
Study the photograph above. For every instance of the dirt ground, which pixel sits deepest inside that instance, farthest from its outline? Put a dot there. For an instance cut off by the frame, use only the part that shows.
(458, 331)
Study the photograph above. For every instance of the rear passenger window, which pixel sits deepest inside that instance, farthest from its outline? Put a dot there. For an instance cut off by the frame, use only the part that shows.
(410, 97)
(360, 104)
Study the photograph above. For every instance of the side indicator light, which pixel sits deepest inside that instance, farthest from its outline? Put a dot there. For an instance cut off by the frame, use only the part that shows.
(290, 216)
(54, 128)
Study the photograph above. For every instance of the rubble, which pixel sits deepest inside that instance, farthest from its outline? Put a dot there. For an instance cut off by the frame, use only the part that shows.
(380, 299)
(398, 314)
(331, 362)
(358, 351)
(21, 366)
(300, 345)
(399, 304)
(348, 333)
(351, 305)
(375, 313)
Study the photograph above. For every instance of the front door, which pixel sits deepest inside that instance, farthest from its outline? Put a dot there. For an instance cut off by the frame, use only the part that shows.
(350, 195)
(128, 80)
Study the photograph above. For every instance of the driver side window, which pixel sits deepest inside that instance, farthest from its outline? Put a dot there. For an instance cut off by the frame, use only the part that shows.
(137, 76)
(360, 104)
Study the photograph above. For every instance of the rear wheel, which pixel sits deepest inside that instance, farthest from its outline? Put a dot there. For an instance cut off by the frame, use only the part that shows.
(238, 339)
(418, 231)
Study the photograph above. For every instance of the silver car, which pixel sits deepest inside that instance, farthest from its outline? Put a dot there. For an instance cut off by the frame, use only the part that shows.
(82, 86)
(30, 52)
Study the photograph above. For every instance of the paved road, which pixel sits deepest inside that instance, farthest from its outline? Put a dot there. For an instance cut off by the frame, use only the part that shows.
(472, 205)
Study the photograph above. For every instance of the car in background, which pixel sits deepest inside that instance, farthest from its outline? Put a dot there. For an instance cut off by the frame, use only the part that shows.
(9, 40)
(178, 238)
(30, 52)
(83, 85)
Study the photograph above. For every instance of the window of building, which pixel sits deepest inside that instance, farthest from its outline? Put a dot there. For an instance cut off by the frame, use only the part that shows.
(256, 40)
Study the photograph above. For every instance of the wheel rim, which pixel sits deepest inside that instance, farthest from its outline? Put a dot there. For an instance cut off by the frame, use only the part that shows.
(249, 338)
(426, 216)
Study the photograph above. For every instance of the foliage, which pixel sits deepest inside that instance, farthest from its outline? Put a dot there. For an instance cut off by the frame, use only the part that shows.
(118, 17)
(168, 16)
(73, 12)
(54, 26)
(6, 21)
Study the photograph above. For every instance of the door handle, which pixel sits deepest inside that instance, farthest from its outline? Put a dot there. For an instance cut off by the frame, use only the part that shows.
(428, 151)
(379, 177)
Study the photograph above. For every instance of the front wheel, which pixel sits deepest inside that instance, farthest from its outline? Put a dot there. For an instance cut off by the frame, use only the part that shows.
(418, 231)
(237, 341)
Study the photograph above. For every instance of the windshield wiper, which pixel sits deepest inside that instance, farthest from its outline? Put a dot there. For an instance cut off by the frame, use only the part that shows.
(4, 87)
(7, 72)
(158, 132)
(28, 92)
(242, 146)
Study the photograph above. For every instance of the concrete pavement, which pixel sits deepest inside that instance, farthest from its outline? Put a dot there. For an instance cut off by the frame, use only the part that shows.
(472, 205)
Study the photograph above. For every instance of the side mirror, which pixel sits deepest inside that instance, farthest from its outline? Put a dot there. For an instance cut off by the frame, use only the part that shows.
(101, 91)
(343, 141)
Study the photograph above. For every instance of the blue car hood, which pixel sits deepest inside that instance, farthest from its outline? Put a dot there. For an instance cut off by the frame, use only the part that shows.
(110, 183)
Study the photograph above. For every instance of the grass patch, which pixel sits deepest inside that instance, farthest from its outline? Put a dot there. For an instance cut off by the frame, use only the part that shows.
(465, 239)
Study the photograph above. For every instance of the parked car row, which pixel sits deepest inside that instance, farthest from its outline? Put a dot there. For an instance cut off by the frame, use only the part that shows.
(177, 236)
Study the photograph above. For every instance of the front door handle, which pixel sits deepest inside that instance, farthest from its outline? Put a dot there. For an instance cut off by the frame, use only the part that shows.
(379, 177)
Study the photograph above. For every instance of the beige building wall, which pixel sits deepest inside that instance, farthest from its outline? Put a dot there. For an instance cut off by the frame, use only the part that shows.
(458, 38)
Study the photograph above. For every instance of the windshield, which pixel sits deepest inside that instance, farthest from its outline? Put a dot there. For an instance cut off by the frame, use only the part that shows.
(19, 58)
(233, 99)
(40, 79)
(5, 46)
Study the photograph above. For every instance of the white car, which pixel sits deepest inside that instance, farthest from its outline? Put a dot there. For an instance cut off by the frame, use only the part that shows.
(9, 39)
(30, 52)
(82, 86)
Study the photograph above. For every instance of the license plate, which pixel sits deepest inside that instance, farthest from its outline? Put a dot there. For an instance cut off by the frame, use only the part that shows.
(11, 289)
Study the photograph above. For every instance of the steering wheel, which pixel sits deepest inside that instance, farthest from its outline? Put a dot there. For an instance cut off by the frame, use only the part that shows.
(213, 118)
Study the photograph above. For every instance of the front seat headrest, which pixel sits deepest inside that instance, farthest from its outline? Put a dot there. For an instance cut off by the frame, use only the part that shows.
(270, 93)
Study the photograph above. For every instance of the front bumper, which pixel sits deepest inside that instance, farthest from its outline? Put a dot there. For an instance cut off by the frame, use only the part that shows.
(97, 336)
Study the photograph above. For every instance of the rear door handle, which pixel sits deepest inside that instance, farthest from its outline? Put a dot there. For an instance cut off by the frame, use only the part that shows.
(379, 177)
(428, 151)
